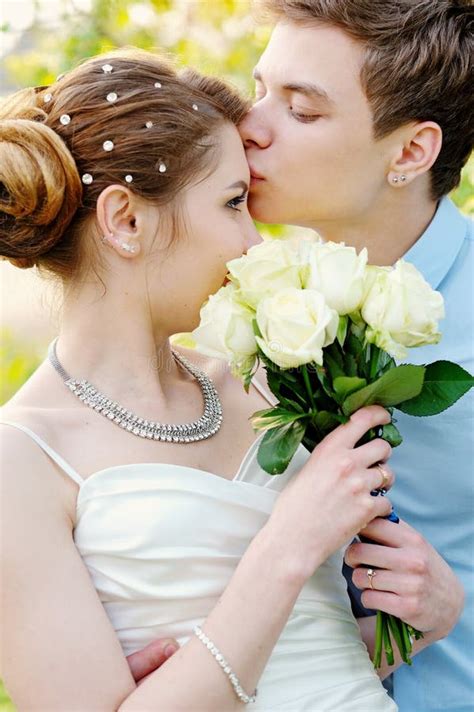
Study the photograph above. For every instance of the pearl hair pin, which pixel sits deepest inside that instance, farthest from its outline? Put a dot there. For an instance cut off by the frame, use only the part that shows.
(109, 145)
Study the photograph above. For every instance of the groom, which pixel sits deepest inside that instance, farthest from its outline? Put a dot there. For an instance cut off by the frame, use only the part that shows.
(360, 129)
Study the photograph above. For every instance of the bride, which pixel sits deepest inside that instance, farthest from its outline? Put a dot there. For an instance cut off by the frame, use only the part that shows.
(127, 182)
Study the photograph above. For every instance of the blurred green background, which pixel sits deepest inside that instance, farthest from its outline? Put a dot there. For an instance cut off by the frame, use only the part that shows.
(43, 38)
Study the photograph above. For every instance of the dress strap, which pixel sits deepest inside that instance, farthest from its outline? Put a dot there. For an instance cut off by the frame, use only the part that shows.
(264, 390)
(49, 451)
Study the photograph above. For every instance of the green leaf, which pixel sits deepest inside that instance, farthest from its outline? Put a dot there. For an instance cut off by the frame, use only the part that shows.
(350, 365)
(336, 353)
(345, 385)
(324, 381)
(255, 328)
(397, 385)
(327, 421)
(274, 418)
(291, 404)
(445, 382)
(355, 346)
(342, 329)
(391, 434)
(278, 447)
(333, 366)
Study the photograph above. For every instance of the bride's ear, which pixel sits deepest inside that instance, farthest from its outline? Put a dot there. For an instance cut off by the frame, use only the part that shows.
(120, 219)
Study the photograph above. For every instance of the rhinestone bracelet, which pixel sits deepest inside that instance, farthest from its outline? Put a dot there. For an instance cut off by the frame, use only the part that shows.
(246, 699)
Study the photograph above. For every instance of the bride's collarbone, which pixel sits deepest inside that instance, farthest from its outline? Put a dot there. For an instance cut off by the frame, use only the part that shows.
(91, 443)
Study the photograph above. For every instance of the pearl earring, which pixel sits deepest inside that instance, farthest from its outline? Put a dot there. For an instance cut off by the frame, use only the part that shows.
(128, 248)
(402, 178)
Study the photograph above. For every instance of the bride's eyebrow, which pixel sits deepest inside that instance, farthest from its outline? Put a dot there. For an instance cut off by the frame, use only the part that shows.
(312, 91)
(238, 184)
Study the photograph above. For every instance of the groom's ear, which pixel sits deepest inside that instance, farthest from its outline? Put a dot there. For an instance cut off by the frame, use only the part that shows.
(418, 148)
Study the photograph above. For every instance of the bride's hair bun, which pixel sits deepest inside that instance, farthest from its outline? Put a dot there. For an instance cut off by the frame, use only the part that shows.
(40, 188)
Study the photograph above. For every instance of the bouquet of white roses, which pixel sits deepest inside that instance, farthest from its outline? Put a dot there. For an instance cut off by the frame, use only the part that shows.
(328, 327)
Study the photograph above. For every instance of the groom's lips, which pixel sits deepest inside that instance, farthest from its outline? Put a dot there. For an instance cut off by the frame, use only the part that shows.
(255, 176)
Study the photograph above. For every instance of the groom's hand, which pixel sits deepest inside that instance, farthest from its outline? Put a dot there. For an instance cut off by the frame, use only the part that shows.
(412, 581)
(144, 662)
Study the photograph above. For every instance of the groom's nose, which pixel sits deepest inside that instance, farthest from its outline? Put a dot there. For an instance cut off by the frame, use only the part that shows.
(254, 129)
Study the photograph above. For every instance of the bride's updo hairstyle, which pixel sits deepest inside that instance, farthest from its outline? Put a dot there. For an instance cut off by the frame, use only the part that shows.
(127, 117)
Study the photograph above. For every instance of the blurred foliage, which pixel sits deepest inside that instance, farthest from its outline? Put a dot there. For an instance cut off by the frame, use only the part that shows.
(216, 36)
(17, 362)
(5, 704)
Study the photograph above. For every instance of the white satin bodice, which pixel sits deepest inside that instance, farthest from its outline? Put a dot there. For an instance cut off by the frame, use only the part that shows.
(161, 543)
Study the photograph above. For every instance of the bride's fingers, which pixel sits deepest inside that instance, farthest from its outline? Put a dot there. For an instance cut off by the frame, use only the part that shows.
(377, 450)
(378, 477)
(382, 506)
(383, 476)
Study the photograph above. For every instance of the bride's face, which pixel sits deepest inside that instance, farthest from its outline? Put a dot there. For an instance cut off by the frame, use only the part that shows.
(218, 228)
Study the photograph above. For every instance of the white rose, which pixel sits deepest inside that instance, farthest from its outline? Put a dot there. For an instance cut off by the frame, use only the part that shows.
(265, 269)
(295, 325)
(337, 272)
(401, 309)
(225, 330)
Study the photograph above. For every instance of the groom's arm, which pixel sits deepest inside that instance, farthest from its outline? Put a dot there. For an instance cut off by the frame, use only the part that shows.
(412, 581)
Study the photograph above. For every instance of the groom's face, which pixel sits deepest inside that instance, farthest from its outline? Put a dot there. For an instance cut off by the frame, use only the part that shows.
(309, 136)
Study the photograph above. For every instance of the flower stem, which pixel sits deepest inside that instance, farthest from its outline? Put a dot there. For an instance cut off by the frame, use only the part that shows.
(389, 630)
(308, 386)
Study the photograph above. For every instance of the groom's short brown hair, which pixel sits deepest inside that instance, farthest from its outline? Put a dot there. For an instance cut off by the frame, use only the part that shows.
(418, 66)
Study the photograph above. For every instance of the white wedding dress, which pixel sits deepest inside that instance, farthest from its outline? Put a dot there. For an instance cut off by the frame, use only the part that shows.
(161, 543)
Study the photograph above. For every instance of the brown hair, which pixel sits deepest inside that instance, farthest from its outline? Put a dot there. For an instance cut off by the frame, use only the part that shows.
(158, 116)
(418, 66)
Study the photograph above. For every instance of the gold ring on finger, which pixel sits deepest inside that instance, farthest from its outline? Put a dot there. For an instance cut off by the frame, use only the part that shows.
(385, 476)
(370, 575)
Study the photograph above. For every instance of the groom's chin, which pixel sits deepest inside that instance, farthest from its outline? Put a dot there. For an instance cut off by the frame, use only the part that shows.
(261, 209)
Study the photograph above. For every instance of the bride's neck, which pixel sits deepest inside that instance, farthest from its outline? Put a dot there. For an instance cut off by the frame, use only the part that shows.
(110, 340)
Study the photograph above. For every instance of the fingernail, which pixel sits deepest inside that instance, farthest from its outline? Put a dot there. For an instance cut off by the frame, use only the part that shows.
(169, 650)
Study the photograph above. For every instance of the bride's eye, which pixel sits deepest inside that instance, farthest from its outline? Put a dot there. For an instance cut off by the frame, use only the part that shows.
(235, 202)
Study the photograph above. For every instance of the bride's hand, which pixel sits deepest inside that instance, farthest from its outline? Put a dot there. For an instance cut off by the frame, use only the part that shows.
(328, 502)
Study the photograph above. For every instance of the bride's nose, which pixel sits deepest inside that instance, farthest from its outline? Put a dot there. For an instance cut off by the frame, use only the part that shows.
(252, 237)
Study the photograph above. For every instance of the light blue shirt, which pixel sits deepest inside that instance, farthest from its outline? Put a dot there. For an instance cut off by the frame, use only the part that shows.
(434, 467)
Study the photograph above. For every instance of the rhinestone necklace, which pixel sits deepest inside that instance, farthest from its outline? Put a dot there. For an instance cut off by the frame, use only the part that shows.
(207, 425)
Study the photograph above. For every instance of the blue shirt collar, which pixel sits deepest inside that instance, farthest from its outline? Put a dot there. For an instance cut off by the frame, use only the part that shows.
(435, 251)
